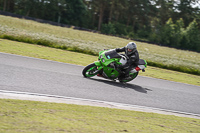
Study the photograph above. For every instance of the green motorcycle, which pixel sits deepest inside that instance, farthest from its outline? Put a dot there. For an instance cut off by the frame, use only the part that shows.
(107, 66)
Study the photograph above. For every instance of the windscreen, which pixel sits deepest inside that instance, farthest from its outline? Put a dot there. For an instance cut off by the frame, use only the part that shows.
(112, 54)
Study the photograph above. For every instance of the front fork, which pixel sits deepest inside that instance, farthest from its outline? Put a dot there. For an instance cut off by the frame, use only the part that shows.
(99, 65)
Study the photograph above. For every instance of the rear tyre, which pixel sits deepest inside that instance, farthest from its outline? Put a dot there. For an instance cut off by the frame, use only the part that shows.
(90, 70)
(132, 76)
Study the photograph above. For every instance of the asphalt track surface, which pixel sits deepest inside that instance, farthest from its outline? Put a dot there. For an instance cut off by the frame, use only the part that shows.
(25, 74)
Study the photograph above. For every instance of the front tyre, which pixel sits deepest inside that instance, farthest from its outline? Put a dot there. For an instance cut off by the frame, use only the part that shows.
(90, 70)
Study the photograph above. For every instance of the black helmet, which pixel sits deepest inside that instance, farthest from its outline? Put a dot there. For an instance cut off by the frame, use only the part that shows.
(131, 48)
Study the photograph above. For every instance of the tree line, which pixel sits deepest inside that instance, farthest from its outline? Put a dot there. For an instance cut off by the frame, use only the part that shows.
(174, 23)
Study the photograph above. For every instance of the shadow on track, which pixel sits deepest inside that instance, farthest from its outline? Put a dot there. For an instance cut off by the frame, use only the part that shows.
(122, 85)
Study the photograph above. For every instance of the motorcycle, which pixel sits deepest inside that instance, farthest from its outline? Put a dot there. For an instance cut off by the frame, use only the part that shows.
(107, 63)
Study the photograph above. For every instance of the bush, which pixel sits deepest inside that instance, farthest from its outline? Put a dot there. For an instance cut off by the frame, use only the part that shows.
(193, 36)
(143, 32)
(108, 29)
(121, 29)
(131, 35)
(154, 38)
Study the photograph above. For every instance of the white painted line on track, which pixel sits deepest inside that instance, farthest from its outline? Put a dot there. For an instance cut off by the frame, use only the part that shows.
(4, 94)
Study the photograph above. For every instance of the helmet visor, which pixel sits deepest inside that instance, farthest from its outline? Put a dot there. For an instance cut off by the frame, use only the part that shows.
(130, 50)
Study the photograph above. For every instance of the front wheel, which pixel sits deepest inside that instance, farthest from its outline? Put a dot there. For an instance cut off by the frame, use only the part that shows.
(90, 70)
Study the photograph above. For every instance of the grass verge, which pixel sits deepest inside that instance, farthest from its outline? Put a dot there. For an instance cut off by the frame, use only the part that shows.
(32, 116)
(43, 52)
(91, 43)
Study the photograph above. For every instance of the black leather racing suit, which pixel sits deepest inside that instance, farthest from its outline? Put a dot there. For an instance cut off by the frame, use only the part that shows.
(132, 61)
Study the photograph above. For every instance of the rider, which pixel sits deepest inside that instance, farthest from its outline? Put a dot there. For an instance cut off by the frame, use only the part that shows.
(133, 57)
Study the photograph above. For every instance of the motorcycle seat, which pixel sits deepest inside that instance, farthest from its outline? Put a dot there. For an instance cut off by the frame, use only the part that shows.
(141, 62)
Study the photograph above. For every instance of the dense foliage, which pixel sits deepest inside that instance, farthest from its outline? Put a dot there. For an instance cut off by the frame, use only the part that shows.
(174, 23)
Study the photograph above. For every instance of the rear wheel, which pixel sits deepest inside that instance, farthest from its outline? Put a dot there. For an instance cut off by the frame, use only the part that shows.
(90, 70)
(131, 77)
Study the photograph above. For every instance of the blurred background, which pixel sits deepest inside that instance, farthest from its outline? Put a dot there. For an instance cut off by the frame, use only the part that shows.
(173, 23)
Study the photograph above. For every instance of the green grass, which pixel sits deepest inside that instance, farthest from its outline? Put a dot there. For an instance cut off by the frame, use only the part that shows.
(59, 55)
(30, 116)
(91, 43)
(43, 52)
